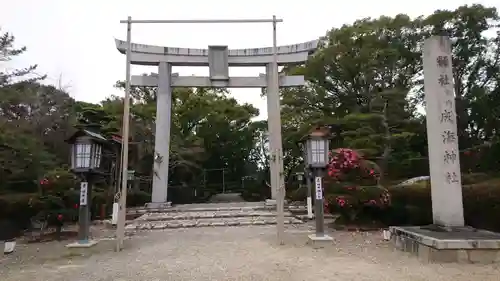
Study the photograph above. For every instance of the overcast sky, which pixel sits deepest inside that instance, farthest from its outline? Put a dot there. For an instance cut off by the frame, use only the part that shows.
(72, 41)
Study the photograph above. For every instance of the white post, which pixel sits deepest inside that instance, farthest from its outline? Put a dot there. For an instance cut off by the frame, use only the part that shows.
(115, 214)
(120, 229)
(309, 198)
(444, 162)
(162, 135)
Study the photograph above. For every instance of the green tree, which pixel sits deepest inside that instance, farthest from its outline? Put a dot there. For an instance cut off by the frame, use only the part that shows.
(476, 64)
(359, 83)
(7, 51)
(209, 131)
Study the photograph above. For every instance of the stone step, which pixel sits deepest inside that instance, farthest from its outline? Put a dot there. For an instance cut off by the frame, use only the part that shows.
(195, 209)
(304, 217)
(211, 222)
(192, 215)
(297, 209)
(214, 208)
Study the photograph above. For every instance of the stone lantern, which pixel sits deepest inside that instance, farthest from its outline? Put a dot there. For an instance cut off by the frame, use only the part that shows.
(316, 148)
(86, 152)
(86, 163)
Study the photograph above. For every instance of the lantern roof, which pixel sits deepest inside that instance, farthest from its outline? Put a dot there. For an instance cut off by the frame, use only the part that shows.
(318, 131)
(84, 132)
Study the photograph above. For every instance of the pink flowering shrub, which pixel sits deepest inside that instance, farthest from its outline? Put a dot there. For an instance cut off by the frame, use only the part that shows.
(351, 186)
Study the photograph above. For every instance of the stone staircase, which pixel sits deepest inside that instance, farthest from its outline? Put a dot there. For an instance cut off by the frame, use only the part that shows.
(209, 215)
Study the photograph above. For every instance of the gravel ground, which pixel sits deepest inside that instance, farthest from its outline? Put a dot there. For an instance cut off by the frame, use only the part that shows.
(234, 253)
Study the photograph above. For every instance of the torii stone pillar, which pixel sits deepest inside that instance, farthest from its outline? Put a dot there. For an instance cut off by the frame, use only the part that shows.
(274, 125)
(218, 59)
(162, 134)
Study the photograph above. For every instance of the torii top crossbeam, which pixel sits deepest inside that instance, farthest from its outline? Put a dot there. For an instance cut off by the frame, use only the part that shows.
(152, 55)
(218, 59)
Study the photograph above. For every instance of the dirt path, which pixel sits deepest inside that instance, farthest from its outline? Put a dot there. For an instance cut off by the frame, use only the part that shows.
(241, 253)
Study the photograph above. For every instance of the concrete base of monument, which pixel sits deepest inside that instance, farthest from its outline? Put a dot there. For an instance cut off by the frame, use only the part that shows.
(83, 244)
(320, 241)
(447, 244)
(162, 205)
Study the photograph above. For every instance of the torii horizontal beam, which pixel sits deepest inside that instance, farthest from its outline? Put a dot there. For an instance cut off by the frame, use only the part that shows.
(153, 55)
(206, 82)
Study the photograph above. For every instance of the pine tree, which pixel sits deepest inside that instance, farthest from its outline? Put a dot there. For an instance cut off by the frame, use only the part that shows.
(7, 51)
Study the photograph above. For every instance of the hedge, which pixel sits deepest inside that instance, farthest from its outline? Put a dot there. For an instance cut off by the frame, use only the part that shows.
(22, 207)
(411, 205)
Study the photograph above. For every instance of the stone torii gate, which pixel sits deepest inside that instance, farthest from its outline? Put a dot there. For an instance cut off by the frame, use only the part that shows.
(218, 59)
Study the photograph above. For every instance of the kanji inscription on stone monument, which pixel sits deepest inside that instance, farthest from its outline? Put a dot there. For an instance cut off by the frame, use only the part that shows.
(444, 162)
(447, 116)
(450, 157)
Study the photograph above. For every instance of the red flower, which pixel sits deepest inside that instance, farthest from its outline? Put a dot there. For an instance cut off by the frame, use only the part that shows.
(44, 182)
(59, 217)
(341, 201)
